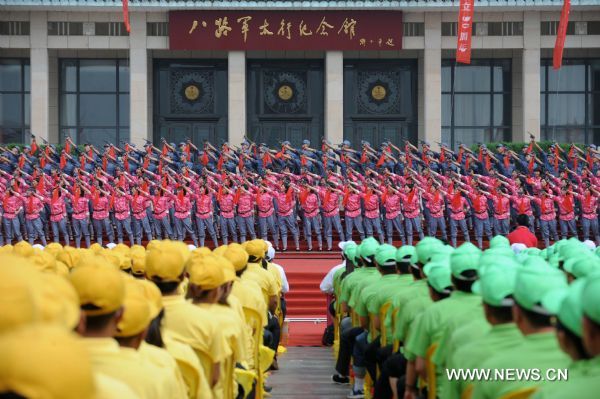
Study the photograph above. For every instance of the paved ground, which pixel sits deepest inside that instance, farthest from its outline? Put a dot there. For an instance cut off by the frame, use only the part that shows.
(306, 373)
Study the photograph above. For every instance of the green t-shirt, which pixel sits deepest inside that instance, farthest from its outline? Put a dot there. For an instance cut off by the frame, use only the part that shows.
(337, 281)
(496, 340)
(406, 317)
(370, 275)
(399, 299)
(349, 282)
(537, 351)
(583, 383)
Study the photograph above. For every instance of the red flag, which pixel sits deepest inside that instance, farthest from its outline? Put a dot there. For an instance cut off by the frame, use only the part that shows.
(531, 165)
(241, 163)
(529, 148)
(126, 164)
(160, 167)
(82, 161)
(346, 196)
(204, 158)
(104, 163)
(165, 149)
(187, 149)
(460, 154)
(561, 35)
(63, 161)
(381, 160)
(111, 152)
(266, 159)
(43, 162)
(506, 161)
(180, 196)
(363, 157)
(146, 162)
(126, 15)
(465, 29)
(91, 153)
(34, 147)
(21, 161)
(288, 195)
(442, 155)
(76, 195)
(220, 163)
(488, 163)
(68, 146)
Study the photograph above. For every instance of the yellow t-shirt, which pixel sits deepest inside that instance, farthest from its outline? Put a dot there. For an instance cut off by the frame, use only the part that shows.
(110, 388)
(162, 359)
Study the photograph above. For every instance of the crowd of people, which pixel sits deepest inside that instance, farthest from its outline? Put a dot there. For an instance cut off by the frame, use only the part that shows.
(123, 193)
(429, 321)
(162, 322)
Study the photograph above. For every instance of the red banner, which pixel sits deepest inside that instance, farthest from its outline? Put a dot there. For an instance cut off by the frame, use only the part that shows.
(464, 31)
(126, 15)
(561, 35)
(285, 30)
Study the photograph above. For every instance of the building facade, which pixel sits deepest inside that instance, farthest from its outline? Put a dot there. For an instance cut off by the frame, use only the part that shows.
(70, 68)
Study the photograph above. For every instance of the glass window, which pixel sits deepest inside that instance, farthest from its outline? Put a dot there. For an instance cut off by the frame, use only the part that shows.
(11, 109)
(479, 97)
(14, 100)
(571, 101)
(10, 75)
(94, 100)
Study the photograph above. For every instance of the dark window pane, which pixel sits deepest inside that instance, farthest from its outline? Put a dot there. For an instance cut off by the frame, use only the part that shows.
(567, 78)
(446, 138)
(10, 75)
(123, 76)
(446, 78)
(75, 28)
(97, 109)
(10, 135)
(26, 77)
(593, 28)
(68, 110)
(123, 134)
(97, 137)
(565, 135)
(471, 109)
(543, 77)
(124, 110)
(472, 78)
(566, 109)
(446, 109)
(27, 109)
(69, 132)
(594, 75)
(594, 110)
(470, 136)
(502, 109)
(594, 136)
(498, 135)
(97, 75)
(11, 109)
(543, 121)
(69, 75)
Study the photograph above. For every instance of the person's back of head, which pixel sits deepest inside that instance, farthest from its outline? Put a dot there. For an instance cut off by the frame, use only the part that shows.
(523, 221)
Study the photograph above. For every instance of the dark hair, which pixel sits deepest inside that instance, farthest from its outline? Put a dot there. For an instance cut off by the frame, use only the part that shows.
(96, 323)
(416, 271)
(165, 287)
(523, 220)
(154, 336)
(440, 295)
(465, 285)
(11, 395)
(575, 340)
(537, 320)
(403, 267)
(385, 269)
(501, 313)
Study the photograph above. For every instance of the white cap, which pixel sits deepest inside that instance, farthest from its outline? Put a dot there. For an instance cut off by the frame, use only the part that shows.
(111, 245)
(342, 244)
(191, 247)
(268, 243)
(270, 253)
(518, 247)
(590, 244)
(38, 246)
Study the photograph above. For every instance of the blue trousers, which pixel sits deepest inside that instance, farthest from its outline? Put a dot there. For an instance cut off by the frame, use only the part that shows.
(329, 222)
(548, 228)
(206, 224)
(390, 225)
(35, 230)
(373, 225)
(141, 226)
(482, 226)
(413, 224)
(246, 226)
(124, 224)
(60, 226)
(163, 224)
(454, 225)
(358, 354)
(12, 228)
(288, 223)
(590, 224)
(501, 226)
(228, 224)
(566, 226)
(81, 227)
(433, 225)
(101, 225)
(266, 224)
(357, 222)
(310, 224)
(183, 227)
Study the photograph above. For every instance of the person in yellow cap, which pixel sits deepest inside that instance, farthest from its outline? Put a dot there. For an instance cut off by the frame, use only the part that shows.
(42, 361)
(165, 267)
(101, 292)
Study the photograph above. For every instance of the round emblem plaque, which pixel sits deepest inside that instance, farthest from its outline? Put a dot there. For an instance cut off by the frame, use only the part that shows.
(192, 92)
(378, 92)
(285, 92)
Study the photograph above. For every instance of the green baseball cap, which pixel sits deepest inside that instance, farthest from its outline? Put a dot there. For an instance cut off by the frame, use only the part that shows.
(535, 262)
(385, 255)
(350, 251)
(502, 262)
(407, 253)
(425, 247)
(566, 304)
(534, 282)
(496, 285)
(438, 276)
(591, 298)
(368, 247)
(466, 257)
(499, 241)
(582, 265)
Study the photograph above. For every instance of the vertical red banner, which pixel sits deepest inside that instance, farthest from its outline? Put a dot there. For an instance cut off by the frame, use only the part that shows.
(561, 35)
(126, 15)
(464, 31)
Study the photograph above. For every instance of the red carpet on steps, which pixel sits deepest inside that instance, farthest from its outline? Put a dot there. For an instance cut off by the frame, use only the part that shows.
(304, 271)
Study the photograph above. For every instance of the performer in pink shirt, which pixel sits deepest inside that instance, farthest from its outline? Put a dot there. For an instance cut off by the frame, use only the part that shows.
(58, 214)
(330, 205)
(226, 201)
(547, 216)
(34, 205)
(393, 218)
(100, 209)
(12, 205)
(80, 219)
(121, 206)
(351, 202)
(286, 217)
(266, 217)
(183, 211)
(309, 203)
(371, 220)
(245, 199)
(436, 204)
(161, 204)
(481, 220)
(204, 214)
(458, 207)
(589, 212)
(501, 202)
(141, 204)
(411, 205)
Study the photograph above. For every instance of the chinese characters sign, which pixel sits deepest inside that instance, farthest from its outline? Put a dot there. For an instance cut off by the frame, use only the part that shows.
(285, 30)
(465, 28)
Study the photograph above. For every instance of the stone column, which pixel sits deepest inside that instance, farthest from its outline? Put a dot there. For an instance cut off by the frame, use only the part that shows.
(236, 115)
(530, 77)
(40, 76)
(139, 126)
(334, 96)
(432, 79)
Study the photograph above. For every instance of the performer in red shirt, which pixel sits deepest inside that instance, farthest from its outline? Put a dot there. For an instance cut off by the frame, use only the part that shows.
(522, 234)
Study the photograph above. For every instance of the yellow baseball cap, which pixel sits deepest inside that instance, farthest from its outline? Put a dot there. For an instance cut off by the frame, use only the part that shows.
(202, 251)
(96, 248)
(228, 269)
(23, 248)
(48, 362)
(256, 248)
(19, 301)
(136, 314)
(220, 250)
(69, 258)
(138, 263)
(206, 272)
(100, 287)
(237, 255)
(153, 295)
(44, 262)
(54, 248)
(165, 262)
(60, 302)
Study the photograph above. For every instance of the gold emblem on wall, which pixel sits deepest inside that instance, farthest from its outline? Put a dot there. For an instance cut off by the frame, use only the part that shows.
(285, 92)
(378, 92)
(192, 92)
